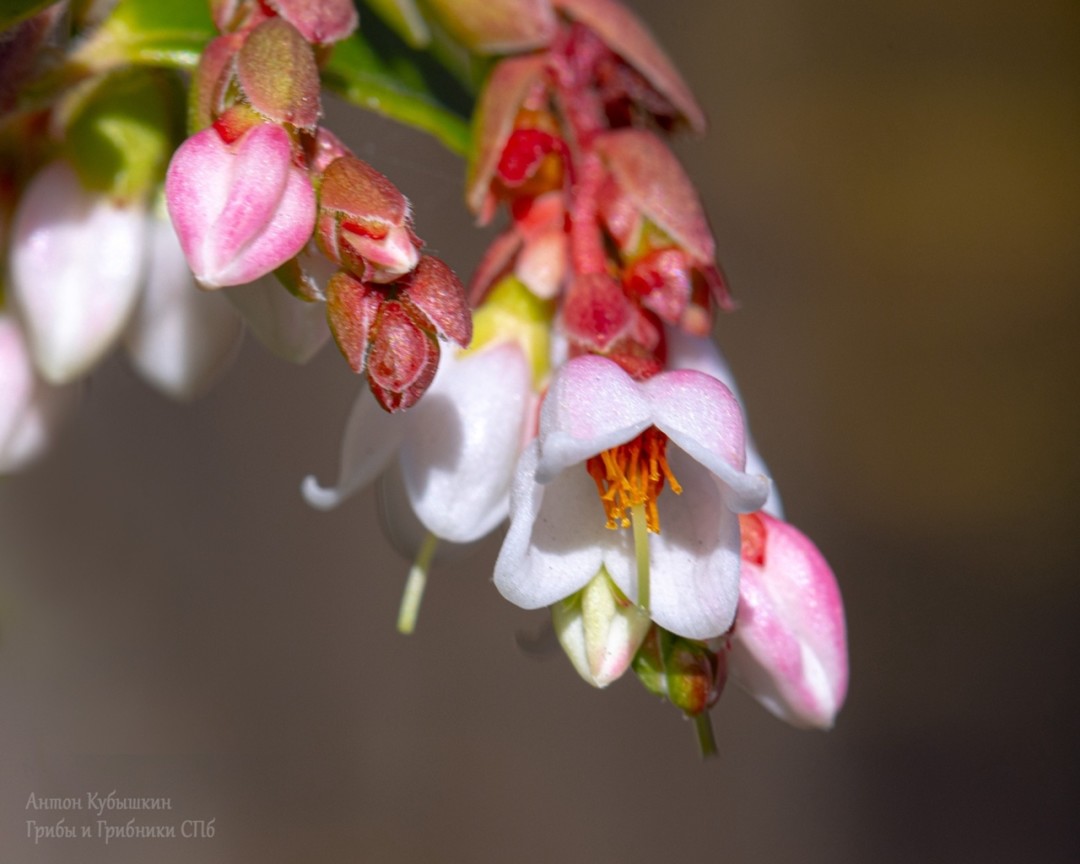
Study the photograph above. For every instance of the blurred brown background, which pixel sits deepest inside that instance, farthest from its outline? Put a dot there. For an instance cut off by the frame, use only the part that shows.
(896, 196)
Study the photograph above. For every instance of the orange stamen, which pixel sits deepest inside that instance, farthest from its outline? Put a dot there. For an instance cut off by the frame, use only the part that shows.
(633, 473)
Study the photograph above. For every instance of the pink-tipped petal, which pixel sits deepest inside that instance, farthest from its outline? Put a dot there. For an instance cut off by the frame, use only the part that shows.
(697, 352)
(542, 264)
(600, 631)
(789, 648)
(702, 416)
(591, 406)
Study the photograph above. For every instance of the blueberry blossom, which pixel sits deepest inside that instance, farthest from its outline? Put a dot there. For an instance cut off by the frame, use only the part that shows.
(603, 432)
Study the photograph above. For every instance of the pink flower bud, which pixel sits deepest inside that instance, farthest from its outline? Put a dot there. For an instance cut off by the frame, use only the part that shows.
(403, 358)
(391, 332)
(365, 223)
(436, 299)
(789, 645)
(240, 209)
(30, 409)
(600, 630)
(77, 263)
(320, 22)
(180, 338)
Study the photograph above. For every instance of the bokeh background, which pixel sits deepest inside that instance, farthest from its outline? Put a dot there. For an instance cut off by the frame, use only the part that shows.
(895, 191)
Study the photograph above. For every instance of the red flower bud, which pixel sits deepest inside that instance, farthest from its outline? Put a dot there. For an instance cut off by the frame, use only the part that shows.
(365, 223)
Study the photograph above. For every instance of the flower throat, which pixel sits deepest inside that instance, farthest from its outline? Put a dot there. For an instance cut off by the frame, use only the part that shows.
(633, 474)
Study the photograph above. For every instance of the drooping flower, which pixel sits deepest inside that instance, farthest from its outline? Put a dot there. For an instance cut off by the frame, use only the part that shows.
(456, 447)
(77, 263)
(241, 208)
(789, 646)
(180, 337)
(602, 431)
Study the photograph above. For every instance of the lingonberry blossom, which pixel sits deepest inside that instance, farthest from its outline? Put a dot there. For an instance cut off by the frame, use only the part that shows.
(77, 263)
(599, 466)
(456, 448)
(180, 337)
(31, 409)
(241, 208)
(789, 645)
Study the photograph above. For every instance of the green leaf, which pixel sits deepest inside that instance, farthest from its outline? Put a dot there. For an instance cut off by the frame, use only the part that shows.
(169, 33)
(14, 11)
(405, 19)
(376, 70)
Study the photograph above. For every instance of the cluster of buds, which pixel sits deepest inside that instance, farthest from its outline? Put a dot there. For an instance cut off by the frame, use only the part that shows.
(262, 188)
(640, 513)
(579, 396)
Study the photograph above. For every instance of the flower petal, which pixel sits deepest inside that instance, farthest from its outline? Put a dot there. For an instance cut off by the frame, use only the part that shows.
(789, 648)
(696, 352)
(180, 338)
(77, 263)
(462, 441)
(291, 328)
(556, 542)
(30, 409)
(702, 416)
(591, 406)
(372, 436)
(693, 560)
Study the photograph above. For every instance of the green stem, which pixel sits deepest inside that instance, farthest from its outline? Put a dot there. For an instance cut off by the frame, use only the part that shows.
(641, 552)
(705, 738)
(415, 584)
